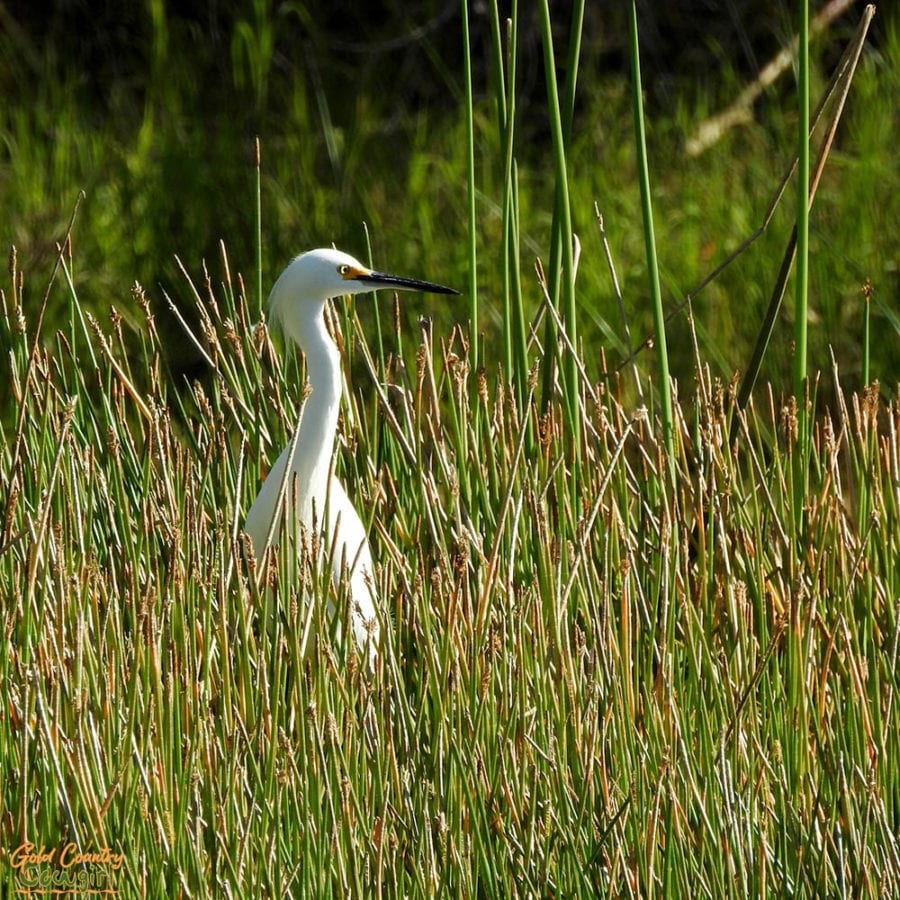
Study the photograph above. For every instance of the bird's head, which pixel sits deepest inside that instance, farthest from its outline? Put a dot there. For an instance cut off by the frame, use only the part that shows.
(313, 277)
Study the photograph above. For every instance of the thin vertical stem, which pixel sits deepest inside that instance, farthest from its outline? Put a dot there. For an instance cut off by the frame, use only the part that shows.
(563, 251)
(802, 284)
(259, 274)
(470, 182)
(659, 322)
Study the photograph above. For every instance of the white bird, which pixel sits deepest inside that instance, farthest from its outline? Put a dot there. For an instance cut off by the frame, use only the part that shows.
(297, 303)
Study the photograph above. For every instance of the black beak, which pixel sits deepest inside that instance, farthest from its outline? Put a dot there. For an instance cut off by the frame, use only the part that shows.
(397, 283)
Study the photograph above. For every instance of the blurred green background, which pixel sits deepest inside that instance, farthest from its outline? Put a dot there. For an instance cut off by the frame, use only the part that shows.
(153, 110)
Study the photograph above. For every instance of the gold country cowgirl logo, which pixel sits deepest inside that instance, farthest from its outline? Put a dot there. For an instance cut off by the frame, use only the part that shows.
(66, 869)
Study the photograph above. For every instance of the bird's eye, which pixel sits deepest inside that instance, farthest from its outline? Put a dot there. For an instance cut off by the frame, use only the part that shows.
(344, 270)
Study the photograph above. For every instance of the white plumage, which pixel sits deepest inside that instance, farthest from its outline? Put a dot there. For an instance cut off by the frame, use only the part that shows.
(297, 303)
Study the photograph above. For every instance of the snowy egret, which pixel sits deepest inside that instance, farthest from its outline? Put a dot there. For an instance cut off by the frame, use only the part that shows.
(297, 303)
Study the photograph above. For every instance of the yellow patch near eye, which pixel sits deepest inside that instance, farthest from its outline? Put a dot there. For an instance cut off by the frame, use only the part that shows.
(351, 273)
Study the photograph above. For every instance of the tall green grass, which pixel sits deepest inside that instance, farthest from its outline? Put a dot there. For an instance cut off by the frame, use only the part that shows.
(617, 672)
(570, 698)
(165, 171)
(801, 305)
(659, 326)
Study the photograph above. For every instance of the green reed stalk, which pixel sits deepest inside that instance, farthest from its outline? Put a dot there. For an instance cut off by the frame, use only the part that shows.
(470, 185)
(659, 321)
(802, 283)
(562, 263)
(259, 272)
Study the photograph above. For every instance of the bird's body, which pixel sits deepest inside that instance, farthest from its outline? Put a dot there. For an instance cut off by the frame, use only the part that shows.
(297, 302)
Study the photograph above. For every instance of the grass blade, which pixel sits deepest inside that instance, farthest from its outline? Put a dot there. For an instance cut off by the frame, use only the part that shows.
(659, 321)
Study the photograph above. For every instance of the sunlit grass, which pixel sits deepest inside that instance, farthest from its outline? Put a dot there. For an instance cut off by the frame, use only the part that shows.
(159, 182)
(571, 698)
(605, 670)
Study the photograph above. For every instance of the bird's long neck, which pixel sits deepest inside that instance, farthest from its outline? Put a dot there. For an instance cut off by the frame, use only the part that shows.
(318, 424)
